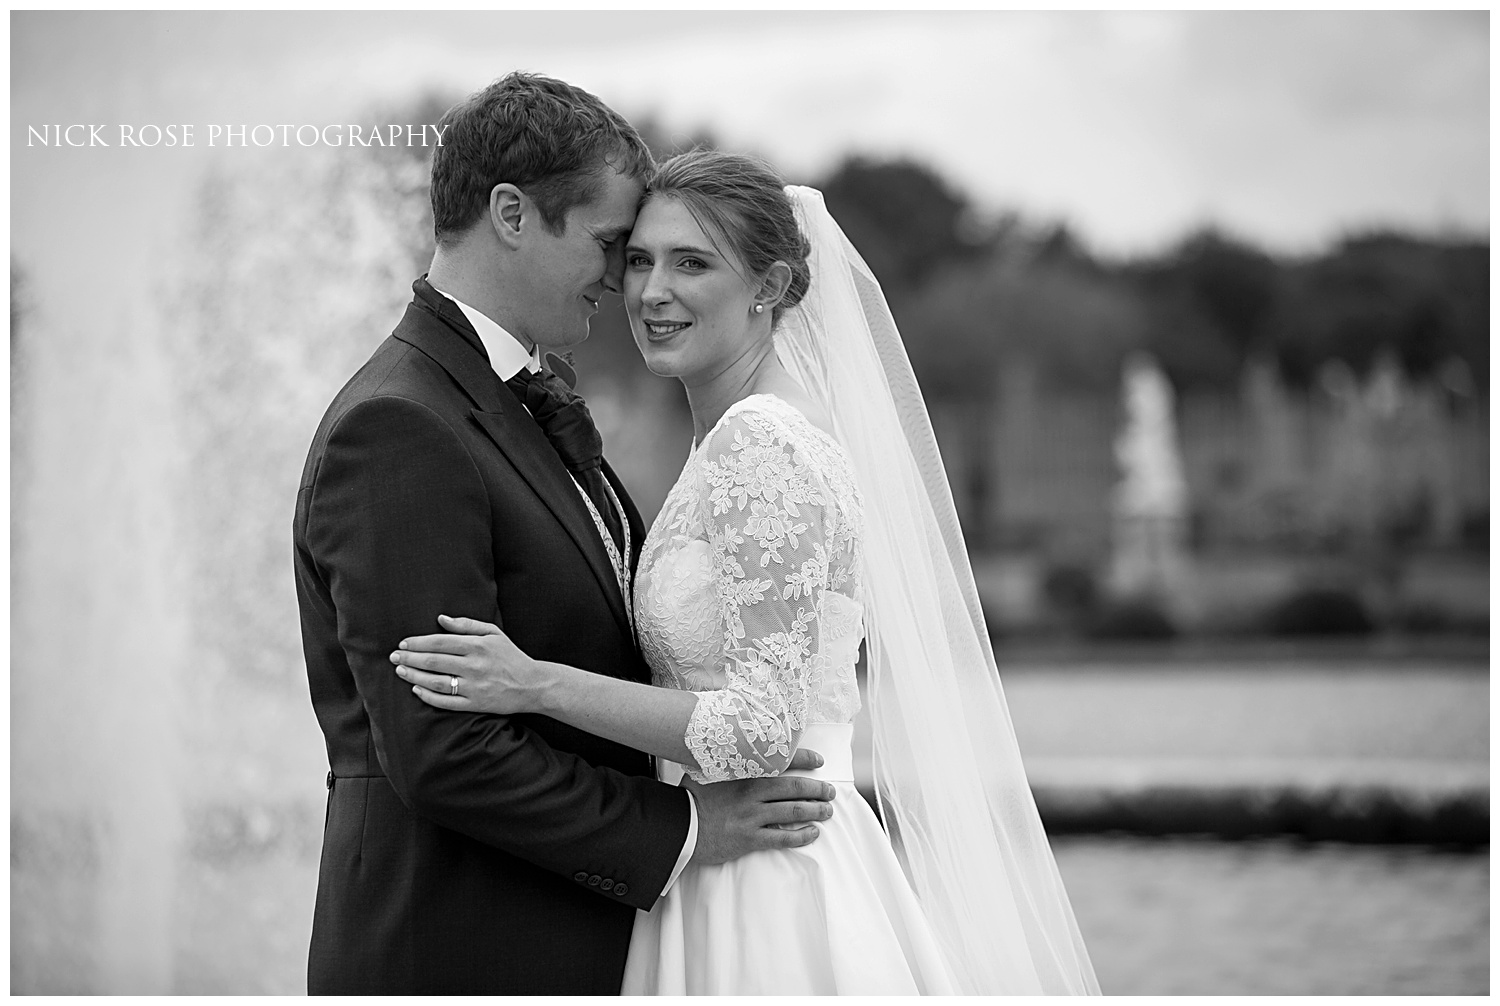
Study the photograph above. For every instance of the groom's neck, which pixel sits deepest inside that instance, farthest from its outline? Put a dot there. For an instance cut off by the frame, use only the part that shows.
(472, 277)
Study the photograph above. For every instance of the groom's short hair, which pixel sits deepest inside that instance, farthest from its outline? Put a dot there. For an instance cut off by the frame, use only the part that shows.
(544, 136)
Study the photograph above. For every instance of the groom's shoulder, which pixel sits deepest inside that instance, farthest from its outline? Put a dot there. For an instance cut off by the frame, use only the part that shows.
(397, 377)
(400, 368)
(382, 374)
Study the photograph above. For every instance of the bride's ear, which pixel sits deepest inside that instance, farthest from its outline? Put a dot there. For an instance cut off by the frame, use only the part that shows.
(775, 284)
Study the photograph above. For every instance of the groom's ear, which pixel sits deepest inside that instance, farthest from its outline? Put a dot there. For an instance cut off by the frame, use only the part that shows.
(508, 207)
(774, 286)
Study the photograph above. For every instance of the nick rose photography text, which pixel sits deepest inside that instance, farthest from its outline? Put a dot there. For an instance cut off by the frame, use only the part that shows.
(224, 135)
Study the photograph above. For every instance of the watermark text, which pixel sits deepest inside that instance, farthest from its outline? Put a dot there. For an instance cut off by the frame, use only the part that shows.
(150, 134)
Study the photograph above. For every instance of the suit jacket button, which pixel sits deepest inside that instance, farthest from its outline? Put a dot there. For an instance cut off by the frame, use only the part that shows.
(621, 890)
(581, 876)
(329, 781)
(594, 880)
(607, 884)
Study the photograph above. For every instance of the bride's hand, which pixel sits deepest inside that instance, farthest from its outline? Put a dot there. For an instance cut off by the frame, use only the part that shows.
(474, 667)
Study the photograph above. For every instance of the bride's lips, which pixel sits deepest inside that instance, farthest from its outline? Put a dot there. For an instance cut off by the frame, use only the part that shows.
(661, 331)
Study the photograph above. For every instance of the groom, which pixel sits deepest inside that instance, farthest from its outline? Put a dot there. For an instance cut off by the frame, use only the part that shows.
(466, 853)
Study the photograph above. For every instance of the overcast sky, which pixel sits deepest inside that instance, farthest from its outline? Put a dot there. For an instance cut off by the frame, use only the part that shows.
(1286, 128)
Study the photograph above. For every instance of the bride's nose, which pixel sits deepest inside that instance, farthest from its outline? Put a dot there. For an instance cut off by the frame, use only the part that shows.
(656, 290)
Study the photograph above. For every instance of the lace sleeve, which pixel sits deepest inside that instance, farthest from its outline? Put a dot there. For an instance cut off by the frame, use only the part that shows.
(768, 516)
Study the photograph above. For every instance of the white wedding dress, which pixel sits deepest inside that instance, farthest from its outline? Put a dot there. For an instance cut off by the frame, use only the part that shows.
(750, 593)
(777, 551)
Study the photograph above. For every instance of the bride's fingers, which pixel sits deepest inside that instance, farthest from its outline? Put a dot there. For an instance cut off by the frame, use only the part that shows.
(439, 663)
(442, 700)
(467, 626)
(443, 642)
(440, 683)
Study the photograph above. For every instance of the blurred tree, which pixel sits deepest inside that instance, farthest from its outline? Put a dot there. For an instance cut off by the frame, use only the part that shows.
(974, 327)
(1055, 246)
(1427, 301)
(1211, 300)
(906, 221)
(1073, 322)
(1233, 284)
(1192, 349)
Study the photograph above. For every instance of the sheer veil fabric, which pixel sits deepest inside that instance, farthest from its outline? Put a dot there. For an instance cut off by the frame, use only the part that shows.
(950, 783)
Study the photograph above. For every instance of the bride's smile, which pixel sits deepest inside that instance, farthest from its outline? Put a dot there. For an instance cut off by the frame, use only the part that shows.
(657, 331)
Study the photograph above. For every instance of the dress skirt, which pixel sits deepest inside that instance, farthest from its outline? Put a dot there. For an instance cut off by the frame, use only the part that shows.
(836, 917)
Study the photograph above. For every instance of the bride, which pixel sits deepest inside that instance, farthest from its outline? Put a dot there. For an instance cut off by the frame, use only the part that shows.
(813, 514)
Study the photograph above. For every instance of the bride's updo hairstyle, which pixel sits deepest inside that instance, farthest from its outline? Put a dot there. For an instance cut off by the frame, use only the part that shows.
(740, 200)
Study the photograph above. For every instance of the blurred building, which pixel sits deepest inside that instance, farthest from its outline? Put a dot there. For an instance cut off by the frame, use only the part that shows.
(1379, 484)
(1268, 466)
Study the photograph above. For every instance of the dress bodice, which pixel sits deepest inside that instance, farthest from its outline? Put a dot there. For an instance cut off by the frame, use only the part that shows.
(749, 588)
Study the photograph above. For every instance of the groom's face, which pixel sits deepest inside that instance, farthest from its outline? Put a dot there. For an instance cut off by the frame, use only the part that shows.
(568, 273)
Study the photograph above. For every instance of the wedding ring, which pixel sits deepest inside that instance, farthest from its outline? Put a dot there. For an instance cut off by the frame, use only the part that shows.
(452, 685)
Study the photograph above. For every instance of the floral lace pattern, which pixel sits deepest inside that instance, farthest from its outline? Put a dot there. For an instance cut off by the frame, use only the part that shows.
(749, 589)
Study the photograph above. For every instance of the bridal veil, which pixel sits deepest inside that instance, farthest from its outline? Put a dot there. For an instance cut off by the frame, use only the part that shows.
(951, 787)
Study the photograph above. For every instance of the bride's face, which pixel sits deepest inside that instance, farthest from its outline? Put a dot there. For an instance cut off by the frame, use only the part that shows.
(689, 303)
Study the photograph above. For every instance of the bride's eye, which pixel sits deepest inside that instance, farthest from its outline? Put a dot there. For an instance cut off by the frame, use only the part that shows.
(693, 263)
(637, 261)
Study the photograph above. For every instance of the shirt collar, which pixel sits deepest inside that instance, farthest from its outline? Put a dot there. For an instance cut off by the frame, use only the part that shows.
(507, 356)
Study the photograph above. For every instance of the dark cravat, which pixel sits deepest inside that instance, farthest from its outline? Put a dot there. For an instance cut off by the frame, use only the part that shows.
(566, 421)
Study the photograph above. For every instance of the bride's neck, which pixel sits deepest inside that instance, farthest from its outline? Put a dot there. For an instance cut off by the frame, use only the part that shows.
(710, 395)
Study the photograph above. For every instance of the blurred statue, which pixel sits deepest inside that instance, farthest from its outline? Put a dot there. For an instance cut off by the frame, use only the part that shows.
(1150, 501)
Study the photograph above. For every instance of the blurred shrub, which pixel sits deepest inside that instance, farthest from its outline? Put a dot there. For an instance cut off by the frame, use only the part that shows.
(1319, 611)
(1070, 589)
(994, 620)
(1421, 619)
(1474, 532)
(1137, 618)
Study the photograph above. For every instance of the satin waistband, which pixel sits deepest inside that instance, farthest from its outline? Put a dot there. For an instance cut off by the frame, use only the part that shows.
(834, 741)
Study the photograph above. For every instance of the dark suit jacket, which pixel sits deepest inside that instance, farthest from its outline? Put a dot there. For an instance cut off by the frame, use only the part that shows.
(464, 852)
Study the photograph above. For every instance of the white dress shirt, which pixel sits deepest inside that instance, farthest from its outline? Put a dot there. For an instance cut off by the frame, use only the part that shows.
(508, 358)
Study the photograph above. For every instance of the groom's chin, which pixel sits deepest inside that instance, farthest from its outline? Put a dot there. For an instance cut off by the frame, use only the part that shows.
(572, 337)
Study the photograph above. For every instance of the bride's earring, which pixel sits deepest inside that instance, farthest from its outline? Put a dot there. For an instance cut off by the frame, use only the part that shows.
(760, 308)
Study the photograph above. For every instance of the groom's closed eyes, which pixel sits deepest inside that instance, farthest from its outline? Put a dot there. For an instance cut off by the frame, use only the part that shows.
(609, 238)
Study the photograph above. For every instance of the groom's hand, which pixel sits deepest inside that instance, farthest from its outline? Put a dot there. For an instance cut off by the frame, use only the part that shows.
(748, 815)
(804, 760)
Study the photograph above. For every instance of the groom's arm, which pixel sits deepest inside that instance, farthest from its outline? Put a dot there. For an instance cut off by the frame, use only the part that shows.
(400, 527)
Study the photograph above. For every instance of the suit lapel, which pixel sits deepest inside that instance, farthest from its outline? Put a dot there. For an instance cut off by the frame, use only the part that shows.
(434, 325)
(530, 453)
